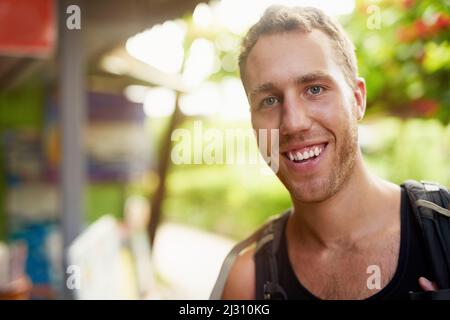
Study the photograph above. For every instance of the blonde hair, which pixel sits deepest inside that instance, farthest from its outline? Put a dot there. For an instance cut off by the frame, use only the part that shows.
(279, 19)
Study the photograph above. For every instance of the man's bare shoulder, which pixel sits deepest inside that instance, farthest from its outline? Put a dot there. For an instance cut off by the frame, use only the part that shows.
(240, 284)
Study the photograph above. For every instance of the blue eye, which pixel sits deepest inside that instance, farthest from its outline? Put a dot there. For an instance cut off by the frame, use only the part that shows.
(315, 90)
(269, 101)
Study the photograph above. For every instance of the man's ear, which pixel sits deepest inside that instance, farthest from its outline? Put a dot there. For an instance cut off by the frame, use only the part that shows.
(360, 98)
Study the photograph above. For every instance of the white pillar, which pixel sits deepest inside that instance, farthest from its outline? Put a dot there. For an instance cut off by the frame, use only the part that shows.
(72, 104)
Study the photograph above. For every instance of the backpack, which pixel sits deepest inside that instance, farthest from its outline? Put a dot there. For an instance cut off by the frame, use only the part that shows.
(430, 205)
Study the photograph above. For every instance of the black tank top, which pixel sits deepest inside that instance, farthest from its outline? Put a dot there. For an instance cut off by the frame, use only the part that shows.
(412, 264)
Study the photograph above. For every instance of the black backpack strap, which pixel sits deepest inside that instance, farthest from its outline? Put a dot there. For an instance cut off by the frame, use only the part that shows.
(430, 205)
(263, 235)
(267, 282)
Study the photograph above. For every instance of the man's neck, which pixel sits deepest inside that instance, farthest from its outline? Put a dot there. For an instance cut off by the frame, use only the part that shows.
(360, 208)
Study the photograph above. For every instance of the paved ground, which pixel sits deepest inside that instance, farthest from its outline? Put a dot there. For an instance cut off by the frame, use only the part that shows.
(189, 260)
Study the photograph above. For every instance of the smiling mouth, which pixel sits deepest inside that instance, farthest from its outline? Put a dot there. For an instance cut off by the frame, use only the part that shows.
(305, 154)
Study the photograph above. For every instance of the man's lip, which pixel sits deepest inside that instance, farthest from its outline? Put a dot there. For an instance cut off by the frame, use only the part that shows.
(296, 147)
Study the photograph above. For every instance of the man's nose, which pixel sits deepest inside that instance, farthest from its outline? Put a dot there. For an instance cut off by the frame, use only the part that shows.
(294, 116)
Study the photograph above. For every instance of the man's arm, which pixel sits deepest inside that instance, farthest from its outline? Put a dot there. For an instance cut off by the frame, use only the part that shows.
(240, 284)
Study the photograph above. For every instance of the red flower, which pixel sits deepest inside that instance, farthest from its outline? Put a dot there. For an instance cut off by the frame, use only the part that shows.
(407, 4)
(442, 21)
(420, 28)
(425, 107)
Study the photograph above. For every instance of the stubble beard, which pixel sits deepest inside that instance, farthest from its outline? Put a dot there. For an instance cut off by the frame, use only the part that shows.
(319, 189)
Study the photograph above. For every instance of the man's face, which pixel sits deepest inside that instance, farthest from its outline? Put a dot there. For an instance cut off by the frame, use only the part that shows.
(294, 84)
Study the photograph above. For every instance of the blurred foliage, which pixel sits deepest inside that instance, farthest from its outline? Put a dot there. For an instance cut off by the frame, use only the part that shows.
(226, 45)
(103, 198)
(403, 50)
(412, 149)
(227, 200)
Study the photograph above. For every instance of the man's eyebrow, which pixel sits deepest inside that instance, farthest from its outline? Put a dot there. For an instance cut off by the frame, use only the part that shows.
(303, 79)
(313, 76)
(261, 88)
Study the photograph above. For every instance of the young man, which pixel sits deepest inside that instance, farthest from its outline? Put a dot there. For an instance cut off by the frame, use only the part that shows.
(299, 71)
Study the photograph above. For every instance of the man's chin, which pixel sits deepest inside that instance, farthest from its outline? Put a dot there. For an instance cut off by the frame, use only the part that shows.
(310, 192)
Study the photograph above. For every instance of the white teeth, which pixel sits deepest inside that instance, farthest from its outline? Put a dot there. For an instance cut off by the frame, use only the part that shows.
(291, 157)
(298, 156)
